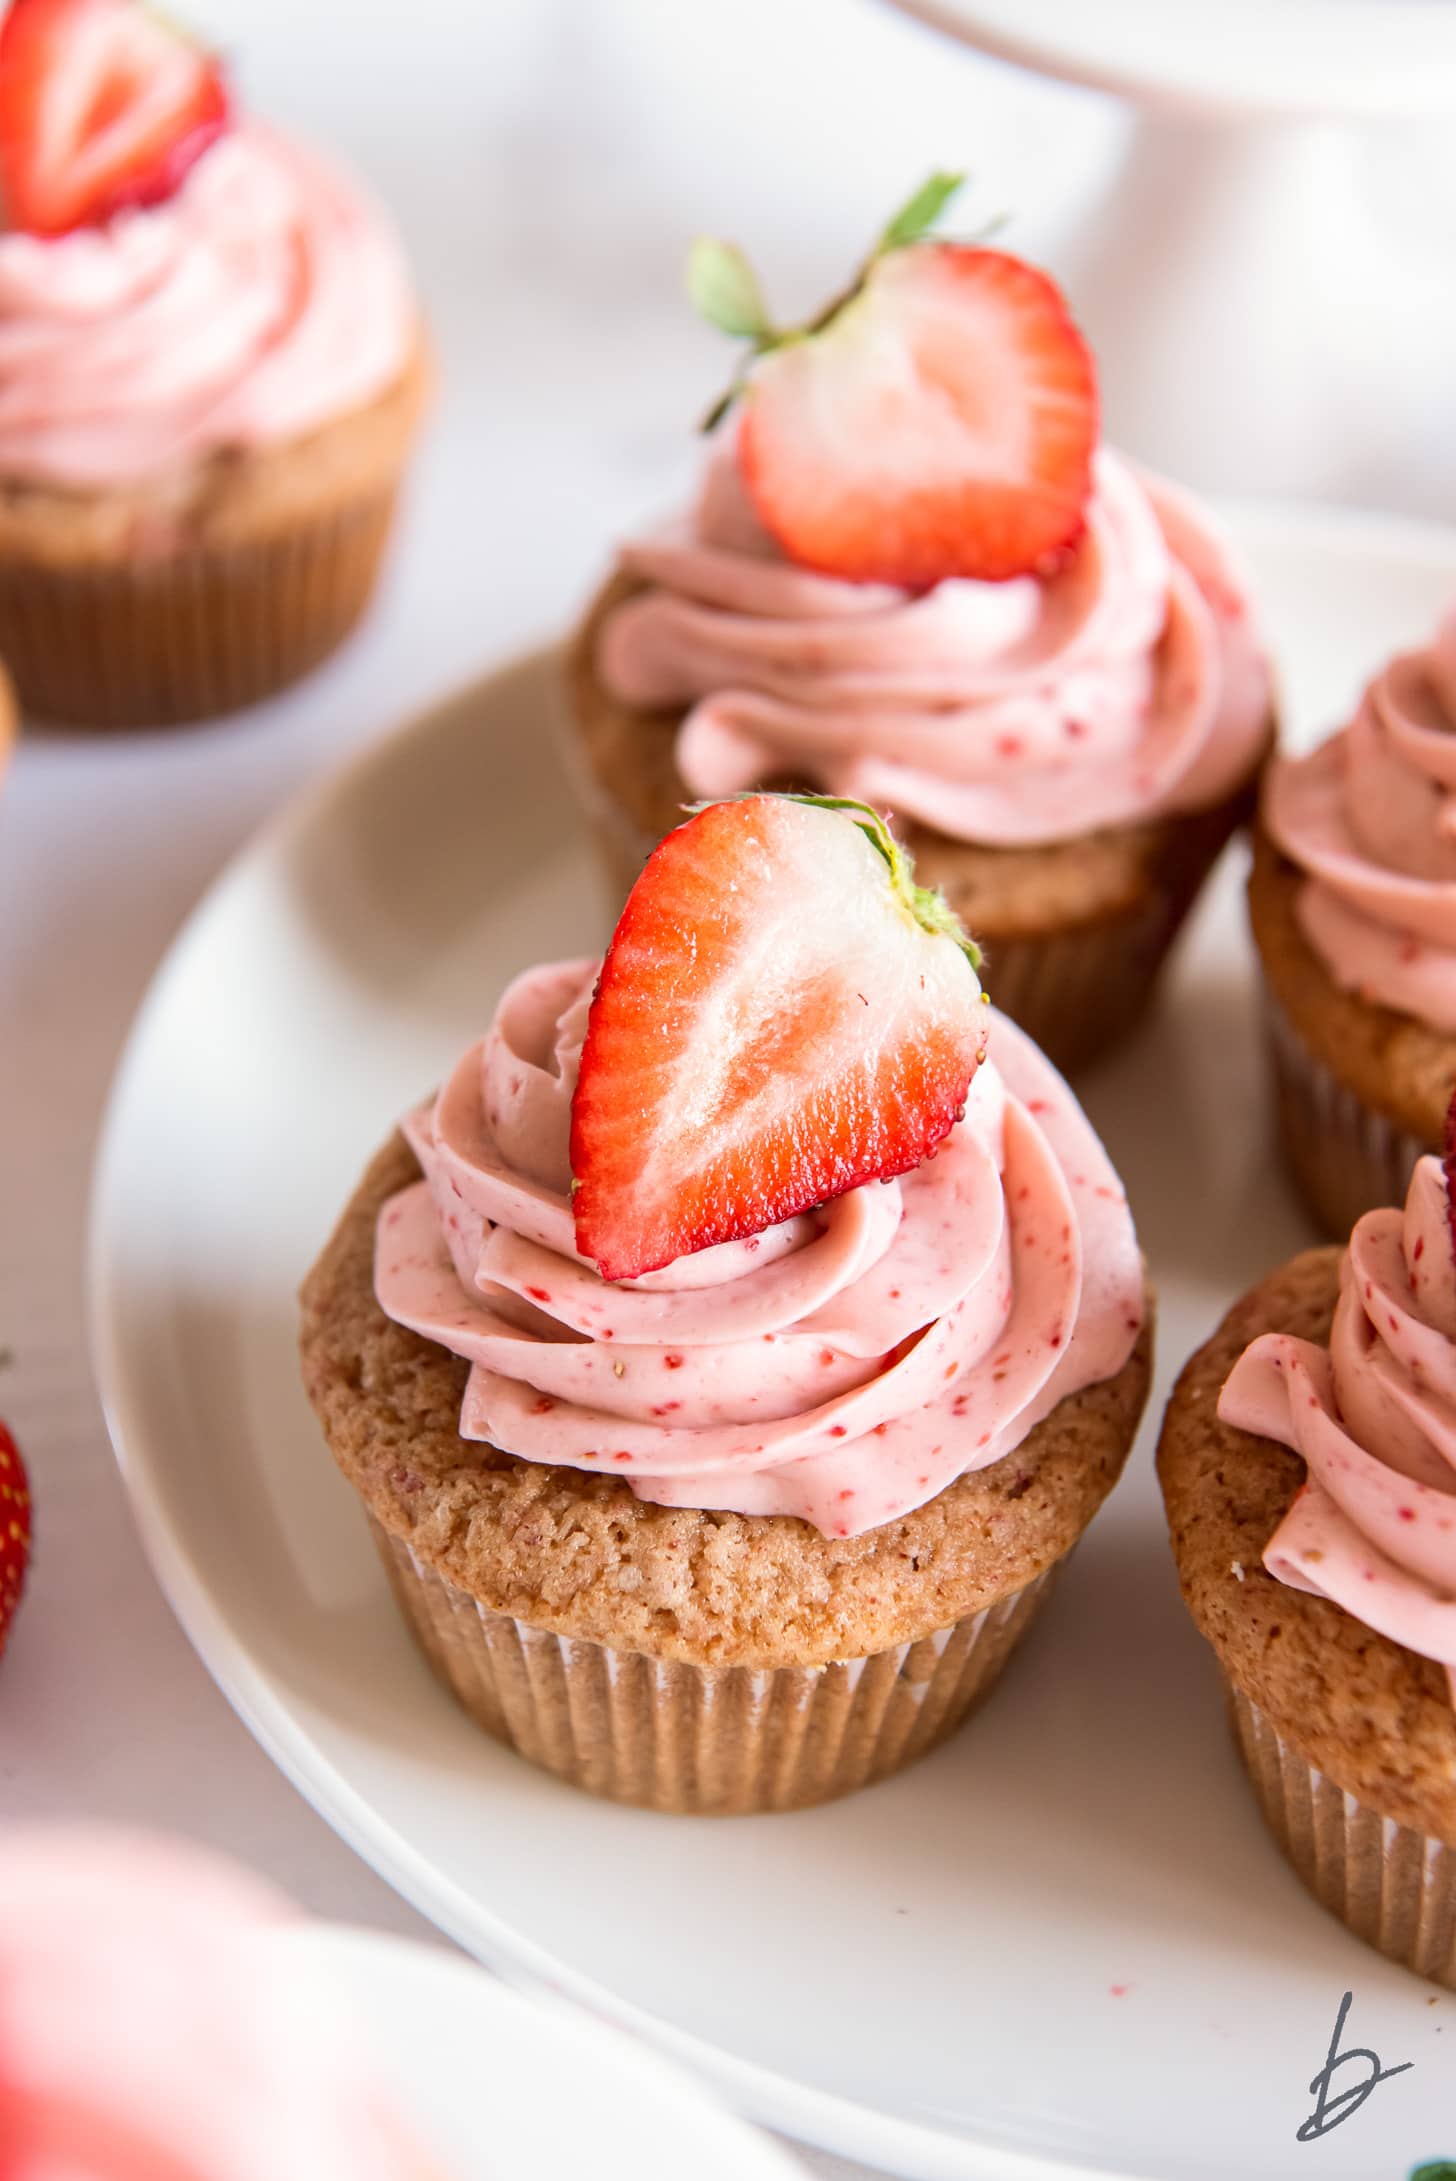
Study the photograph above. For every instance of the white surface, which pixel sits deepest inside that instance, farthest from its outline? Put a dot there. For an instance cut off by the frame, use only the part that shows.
(548, 173)
(502, 2087)
(1030, 1949)
(1376, 57)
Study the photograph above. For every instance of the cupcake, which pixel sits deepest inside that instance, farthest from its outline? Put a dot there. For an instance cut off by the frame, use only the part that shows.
(211, 373)
(1353, 902)
(146, 2029)
(732, 1350)
(1308, 1462)
(911, 575)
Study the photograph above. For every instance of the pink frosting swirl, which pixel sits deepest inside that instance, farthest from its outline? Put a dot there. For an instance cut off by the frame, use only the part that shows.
(1130, 683)
(265, 298)
(844, 1366)
(1370, 816)
(1374, 1418)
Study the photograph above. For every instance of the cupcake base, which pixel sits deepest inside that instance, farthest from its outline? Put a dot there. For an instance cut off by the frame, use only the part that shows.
(138, 609)
(683, 1658)
(1360, 1091)
(189, 637)
(1392, 1886)
(1344, 1158)
(1348, 1738)
(707, 1741)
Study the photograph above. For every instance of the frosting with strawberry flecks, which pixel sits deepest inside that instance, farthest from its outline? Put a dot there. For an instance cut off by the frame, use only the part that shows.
(843, 1366)
(1374, 1526)
(264, 299)
(1129, 683)
(1370, 817)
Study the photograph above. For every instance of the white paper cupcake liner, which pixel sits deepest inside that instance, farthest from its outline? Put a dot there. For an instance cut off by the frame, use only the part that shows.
(1393, 1887)
(1344, 1158)
(709, 1740)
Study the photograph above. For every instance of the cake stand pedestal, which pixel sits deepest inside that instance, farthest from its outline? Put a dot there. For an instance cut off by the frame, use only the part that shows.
(1267, 278)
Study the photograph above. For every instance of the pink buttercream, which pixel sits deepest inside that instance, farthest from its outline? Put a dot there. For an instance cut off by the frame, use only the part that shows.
(1374, 1417)
(1130, 683)
(844, 1366)
(1371, 817)
(265, 298)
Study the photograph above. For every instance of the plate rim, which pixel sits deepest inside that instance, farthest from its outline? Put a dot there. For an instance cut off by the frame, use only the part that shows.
(672, 2088)
(776, 2100)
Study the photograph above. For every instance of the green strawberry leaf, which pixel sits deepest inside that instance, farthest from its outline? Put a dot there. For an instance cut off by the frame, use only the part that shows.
(723, 287)
(926, 904)
(916, 218)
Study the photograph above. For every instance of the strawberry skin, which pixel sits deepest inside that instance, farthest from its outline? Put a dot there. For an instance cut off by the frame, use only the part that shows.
(103, 106)
(942, 424)
(781, 1015)
(14, 1529)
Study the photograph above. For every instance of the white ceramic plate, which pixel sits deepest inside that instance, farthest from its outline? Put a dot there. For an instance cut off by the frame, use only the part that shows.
(1062, 1945)
(513, 2088)
(1355, 57)
(502, 2087)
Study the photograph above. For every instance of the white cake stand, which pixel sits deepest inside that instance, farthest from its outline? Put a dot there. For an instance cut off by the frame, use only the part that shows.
(1268, 279)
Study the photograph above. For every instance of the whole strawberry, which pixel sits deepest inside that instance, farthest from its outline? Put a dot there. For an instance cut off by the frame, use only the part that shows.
(14, 1529)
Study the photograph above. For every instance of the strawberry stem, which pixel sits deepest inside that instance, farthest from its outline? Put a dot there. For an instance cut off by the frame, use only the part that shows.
(723, 286)
(926, 904)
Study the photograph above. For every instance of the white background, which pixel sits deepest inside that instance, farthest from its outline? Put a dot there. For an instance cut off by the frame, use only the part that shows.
(548, 162)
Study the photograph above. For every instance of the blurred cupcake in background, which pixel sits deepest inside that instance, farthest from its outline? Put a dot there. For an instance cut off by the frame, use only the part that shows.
(1353, 902)
(913, 576)
(9, 722)
(146, 2029)
(211, 373)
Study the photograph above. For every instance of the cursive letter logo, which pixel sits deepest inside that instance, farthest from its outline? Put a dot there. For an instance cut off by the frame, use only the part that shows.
(1330, 2110)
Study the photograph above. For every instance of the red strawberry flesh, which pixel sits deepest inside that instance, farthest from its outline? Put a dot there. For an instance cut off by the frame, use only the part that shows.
(942, 425)
(773, 1025)
(14, 1530)
(103, 106)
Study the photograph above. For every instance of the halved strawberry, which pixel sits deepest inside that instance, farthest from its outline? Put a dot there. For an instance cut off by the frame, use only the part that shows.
(782, 1013)
(939, 419)
(14, 1529)
(103, 105)
(943, 424)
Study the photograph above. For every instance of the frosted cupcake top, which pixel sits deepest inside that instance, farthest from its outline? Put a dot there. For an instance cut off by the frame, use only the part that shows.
(844, 1365)
(265, 298)
(1370, 817)
(1129, 682)
(1373, 1528)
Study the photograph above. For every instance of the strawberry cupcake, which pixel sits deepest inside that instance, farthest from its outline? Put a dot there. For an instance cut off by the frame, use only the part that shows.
(912, 575)
(1353, 903)
(1308, 1461)
(211, 372)
(730, 1352)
